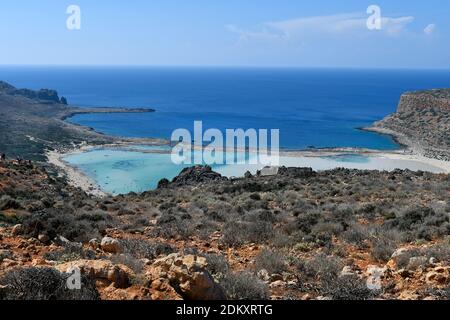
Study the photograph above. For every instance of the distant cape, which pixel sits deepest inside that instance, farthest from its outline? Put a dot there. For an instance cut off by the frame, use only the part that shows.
(44, 95)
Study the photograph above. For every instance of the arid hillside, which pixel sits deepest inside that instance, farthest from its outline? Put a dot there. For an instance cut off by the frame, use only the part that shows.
(341, 234)
(33, 121)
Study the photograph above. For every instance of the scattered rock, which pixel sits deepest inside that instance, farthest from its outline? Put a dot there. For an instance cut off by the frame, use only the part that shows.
(277, 284)
(292, 283)
(399, 252)
(417, 262)
(263, 275)
(61, 241)
(375, 271)
(307, 297)
(391, 264)
(276, 277)
(119, 275)
(16, 230)
(347, 271)
(188, 276)
(439, 275)
(44, 238)
(111, 245)
(94, 244)
(162, 290)
(38, 262)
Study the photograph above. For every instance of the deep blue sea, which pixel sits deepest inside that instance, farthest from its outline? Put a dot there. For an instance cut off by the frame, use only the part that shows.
(311, 107)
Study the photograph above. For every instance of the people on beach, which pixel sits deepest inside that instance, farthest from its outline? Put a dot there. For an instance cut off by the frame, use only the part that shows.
(3, 157)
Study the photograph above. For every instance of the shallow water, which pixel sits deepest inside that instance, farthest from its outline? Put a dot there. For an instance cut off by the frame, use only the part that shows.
(118, 171)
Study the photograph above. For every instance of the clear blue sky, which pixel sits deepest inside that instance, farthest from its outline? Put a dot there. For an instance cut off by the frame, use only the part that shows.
(320, 33)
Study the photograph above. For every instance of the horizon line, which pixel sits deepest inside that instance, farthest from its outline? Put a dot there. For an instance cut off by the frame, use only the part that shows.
(222, 66)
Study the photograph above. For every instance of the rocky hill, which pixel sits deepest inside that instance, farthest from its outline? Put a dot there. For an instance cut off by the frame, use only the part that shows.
(422, 122)
(33, 121)
(340, 234)
(43, 95)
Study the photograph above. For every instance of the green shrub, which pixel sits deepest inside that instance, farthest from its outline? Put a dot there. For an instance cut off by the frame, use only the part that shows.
(44, 284)
(271, 261)
(244, 286)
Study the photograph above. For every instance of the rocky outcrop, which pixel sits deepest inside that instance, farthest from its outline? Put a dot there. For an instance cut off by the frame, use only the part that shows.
(111, 245)
(422, 122)
(433, 100)
(103, 270)
(188, 276)
(197, 174)
(45, 95)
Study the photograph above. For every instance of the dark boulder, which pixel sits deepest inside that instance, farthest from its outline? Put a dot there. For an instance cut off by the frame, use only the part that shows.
(197, 174)
(163, 183)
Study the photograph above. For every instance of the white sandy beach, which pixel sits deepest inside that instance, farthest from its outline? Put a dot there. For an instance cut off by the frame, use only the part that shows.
(75, 177)
(317, 159)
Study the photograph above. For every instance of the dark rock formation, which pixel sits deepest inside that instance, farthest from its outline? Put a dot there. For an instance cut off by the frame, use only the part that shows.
(163, 183)
(45, 95)
(197, 174)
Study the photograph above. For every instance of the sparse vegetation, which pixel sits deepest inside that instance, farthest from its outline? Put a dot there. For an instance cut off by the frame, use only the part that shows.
(302, 228)
(244, 286)
(44, 284)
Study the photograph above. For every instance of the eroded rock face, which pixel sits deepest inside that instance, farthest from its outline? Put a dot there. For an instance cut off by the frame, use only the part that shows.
(105, 270)
(188, 276)
(422, 121)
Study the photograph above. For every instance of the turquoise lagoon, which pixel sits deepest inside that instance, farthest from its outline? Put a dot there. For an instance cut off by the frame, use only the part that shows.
(119, 171)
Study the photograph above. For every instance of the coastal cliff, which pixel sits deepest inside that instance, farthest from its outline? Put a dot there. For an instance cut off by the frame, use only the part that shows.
(422, 122)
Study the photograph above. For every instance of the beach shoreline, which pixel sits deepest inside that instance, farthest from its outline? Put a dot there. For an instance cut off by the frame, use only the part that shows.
(78, 178)
(74, 175)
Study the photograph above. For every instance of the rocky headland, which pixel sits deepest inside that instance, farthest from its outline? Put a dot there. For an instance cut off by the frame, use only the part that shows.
(32, 122)
(422, 123)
